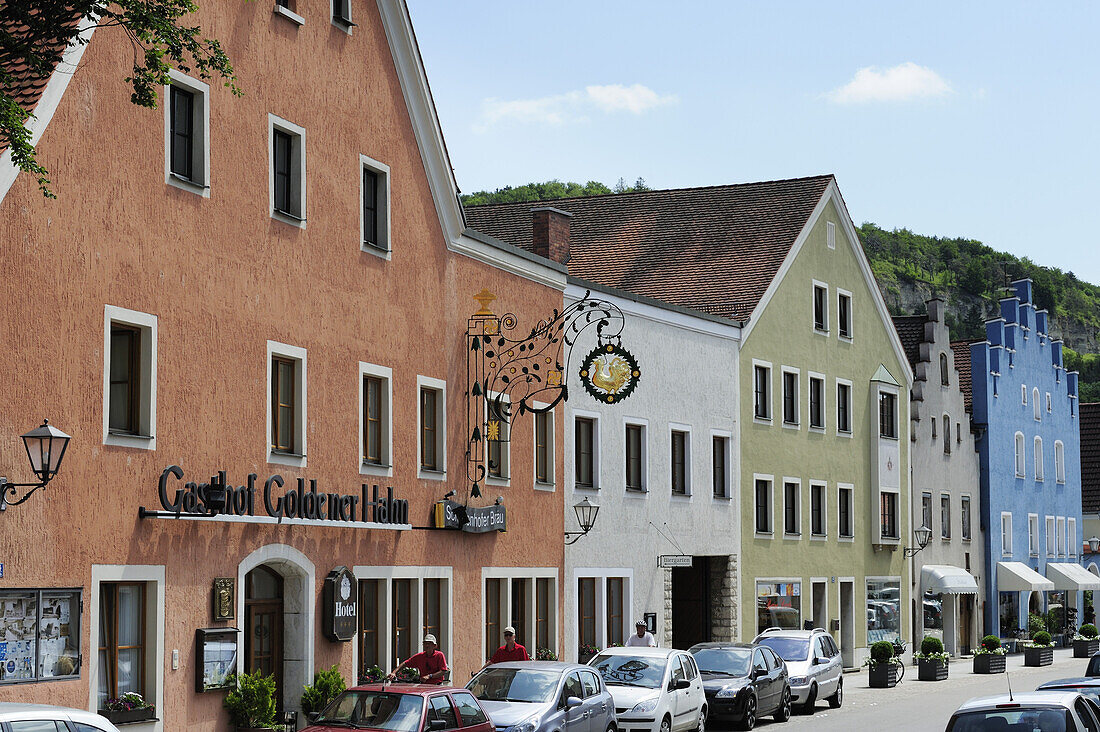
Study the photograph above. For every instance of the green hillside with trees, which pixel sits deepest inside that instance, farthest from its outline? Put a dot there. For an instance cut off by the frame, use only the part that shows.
(910, 268)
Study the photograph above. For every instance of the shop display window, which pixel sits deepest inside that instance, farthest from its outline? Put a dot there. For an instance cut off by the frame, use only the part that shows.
(39, 634)
(933, 614)
(778, 605)
(883, 610)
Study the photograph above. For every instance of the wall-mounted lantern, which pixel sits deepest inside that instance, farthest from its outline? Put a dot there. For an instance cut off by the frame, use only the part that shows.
(586, 517)
(45, 449)
(923, 536)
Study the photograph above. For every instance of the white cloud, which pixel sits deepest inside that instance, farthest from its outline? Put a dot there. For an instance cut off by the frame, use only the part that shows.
(900, 83)
(574, 106)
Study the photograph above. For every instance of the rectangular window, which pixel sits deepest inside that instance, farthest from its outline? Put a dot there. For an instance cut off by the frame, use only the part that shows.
(817, 509)
(790, 397)
(844, 315)
(926, 510)
(286, 404)
(844, 408)
(341, 11)
(1006, 534)
(584, 441)
(521, 594)
(1033, 534)
(817, 403)
(122, 639)
(129, 378)
(370, 640)
(719, 461)
(543, 452)
(373, 391)
(433, 609)
(821, 308)
(186, 123)
(429, 430)
(844, 513)
(125, 379)
(887, 415)
(182, 132)
(370, 207)
(679, 462)
(614, 610)
(544, 602)
(763, 504)
(1052, 550)
(888, 515)
(778, 604)
(945, 516)
(1071, 537)
(498, 440)
(883, 610)
(635, 457)
(586, 609)
(966, 535)
(284, 144)
(374, 195)
(283, 405)
(762, 392)
(1060, 545)
(792, 521)
(493, 627)
(288, 167)
(402, 640)
(42, 635)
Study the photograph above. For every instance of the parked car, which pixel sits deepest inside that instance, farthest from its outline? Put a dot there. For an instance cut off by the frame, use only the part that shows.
(1048, 711)
(1088, 687)
(743, 682)
(19, 717)
(813, 663)
(544, 696)
(403, 708)
(1094, 666)
(655, 689)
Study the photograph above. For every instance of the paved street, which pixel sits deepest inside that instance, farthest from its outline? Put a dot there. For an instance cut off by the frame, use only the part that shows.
(923, 705)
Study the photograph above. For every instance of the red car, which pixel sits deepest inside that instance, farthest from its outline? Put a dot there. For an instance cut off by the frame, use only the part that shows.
(403, 708)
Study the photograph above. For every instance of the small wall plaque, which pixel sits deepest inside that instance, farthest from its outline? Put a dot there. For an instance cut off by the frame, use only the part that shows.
(224, 601)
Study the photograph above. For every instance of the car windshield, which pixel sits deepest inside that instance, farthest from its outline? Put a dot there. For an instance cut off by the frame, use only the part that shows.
(515, 685)
(375, 709)
(646, 671)
(728, 661)
(1004, 720)
(789, 649)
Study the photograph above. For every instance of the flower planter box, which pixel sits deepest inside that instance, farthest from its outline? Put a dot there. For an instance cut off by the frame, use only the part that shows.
(989, 663)
(128, 716)
(1086, 648)
(882, 676)
(1038, 656)
(931, 670)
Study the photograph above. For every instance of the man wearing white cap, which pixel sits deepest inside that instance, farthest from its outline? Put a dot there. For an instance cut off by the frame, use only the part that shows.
(643, 637)
(430, 663)
(510, 651)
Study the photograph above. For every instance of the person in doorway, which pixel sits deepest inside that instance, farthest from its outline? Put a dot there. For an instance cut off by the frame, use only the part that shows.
(510, 651)
(643, 637)
(430, 663)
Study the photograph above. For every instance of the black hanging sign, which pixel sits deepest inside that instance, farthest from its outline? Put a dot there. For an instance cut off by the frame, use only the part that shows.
(453, 515)
(340, 610)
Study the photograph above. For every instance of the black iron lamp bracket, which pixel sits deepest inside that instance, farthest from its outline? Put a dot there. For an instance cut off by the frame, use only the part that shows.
(9, 491)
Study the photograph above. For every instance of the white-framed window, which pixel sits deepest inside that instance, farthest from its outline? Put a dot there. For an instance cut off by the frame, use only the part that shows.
(790, 396)
(1023, 394)
(945, 515)
(926, 510)
(375, 419)
(637, 455)
(544, 448)
(946, 435)
(604, 599)
(964, 508)
(1052, 546)
(761, 391)
(792, 507)
(1061, 536)
(680, 459)
(374, 206)
(1071, 536)
(817, 401)
(720, 463)
(129, 378)
(187, 134)
(844, 314)
(1038, 458)
(1059, 461)
(341, 15)
(586, 450)
(1049, 405)
(397, 607)
(888, 415)
(763, 504)
(944, 371)
(286, 404)
(1033, 534)
(821, 307)
(830, 234)
(498, 439)
(1006, 534)
(286, 171)
(431, 428)
(844, 507)
(1036, 407)
(889, 526)
(819, 510)
(1019, 452)
(844, 407)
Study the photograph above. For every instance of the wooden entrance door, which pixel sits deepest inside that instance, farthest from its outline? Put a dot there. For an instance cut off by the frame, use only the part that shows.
(263, 626)
(965, 622)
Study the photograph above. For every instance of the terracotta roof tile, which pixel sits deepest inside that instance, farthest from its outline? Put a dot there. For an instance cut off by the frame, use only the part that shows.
(714, 249)
(1090, 457)
(961, 350)
(910, 330)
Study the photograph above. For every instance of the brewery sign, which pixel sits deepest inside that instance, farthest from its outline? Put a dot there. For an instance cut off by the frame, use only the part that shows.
(450, 514)
(339, 622)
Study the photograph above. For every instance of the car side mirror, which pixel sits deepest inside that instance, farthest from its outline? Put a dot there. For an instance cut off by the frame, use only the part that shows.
(437, 724)
(681, 684)
(313, 716)
(573, 702)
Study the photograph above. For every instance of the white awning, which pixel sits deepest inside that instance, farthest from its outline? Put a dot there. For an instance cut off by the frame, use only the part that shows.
(1018, 577)
(937, 578)
(1069, 576)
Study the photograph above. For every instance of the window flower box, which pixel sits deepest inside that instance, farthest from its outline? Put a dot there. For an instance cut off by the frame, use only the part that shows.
(128, 716)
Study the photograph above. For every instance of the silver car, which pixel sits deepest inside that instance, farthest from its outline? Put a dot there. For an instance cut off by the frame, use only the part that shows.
(1049, 711)
(544, 696)
(34, 717)
(813, 662)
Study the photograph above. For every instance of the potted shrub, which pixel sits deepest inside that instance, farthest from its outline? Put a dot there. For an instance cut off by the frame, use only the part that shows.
(129, 707)
(882, 667)
(545, 654)
(586, 652)
(1040, 652)
(325, 687)
(989, 657)
(932, 660)
(1085, 642)
(251, 702)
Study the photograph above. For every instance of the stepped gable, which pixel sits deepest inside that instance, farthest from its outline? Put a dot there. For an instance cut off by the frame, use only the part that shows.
(961, 350)
(910, 329)
(713, 249)
(1090, 457)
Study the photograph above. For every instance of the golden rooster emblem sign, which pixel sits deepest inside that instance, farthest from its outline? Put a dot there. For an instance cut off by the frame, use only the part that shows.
(609, 373)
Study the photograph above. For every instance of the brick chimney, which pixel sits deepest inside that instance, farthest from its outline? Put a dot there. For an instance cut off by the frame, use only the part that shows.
(550, 233)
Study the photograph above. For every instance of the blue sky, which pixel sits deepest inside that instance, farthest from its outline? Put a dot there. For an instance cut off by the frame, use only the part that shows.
(954, 119)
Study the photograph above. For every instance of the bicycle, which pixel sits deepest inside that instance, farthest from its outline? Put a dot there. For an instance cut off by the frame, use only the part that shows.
(899, 650)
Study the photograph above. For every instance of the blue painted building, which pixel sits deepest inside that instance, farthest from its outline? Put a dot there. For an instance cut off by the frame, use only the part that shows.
(1025, 414)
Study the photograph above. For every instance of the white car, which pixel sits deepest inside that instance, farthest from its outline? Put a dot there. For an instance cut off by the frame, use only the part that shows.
(18, 717)
(813, 662)
(655, 689)
(1051, 711)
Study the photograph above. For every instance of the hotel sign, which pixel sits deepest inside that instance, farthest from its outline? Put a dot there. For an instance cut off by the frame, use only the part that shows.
(340, 610)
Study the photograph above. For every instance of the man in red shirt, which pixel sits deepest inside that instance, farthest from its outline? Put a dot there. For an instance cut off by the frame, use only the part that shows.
(510, 651)
(430, 663)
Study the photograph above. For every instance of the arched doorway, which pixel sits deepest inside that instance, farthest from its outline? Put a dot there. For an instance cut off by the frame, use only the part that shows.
(263, 625)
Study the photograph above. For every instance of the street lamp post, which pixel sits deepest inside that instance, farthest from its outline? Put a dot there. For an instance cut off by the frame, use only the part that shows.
(45, 447)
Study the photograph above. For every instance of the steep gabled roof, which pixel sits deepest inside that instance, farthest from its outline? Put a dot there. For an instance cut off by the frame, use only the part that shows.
(715, 249)
(1090, 457)
(910, 330)
(961, 350)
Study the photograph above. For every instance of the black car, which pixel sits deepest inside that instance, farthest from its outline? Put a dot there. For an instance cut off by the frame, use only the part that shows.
(742, 682)
(1094, 666)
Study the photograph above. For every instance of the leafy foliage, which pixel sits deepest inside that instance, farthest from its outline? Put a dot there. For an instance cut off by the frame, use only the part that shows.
(882, 651)
(325, 687)
(37, 35)
(1041, 640)
(931, 644)
(549, 190)
(991, 644)
(251, 703)
(545, 654)
(1088, 630)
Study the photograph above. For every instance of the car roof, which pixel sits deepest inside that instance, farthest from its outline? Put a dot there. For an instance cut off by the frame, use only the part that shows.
(719, 644)
(790, 633)
(399, 688)
(21, 710)
(1077, 681)
(560, 666)
(1062, 699)
(639, 651)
